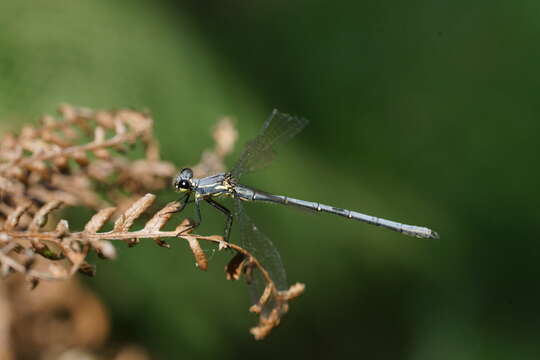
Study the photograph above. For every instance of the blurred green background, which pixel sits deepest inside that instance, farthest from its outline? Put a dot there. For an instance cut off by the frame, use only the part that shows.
(424, 112)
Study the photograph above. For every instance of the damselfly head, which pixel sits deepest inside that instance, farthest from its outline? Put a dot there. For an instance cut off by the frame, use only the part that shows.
(182, 181)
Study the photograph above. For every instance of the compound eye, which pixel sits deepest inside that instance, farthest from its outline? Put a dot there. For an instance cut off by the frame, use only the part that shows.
(184, 184)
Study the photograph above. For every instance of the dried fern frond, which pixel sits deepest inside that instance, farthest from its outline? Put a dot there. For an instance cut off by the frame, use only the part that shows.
(59, 164)
(63, 159)
(63, 244)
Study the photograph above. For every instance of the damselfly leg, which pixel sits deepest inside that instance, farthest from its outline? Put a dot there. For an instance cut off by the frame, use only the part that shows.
(227, 212)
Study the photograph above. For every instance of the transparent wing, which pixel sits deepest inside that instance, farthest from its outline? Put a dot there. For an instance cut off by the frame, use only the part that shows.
(260, 246)
(277, 129)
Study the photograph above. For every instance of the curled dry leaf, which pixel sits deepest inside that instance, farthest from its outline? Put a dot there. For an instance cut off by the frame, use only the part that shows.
(294, 291)
(198, 253)
(98, 220)
(125, 220)
(235, 267)
(263, 300)
(162, 216)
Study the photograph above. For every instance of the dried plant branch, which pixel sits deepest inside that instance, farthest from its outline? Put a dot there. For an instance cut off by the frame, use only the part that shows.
(63, 159)
(74, 246)
(60, 163)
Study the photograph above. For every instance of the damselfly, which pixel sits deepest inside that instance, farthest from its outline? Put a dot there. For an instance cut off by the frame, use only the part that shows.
(277, 129)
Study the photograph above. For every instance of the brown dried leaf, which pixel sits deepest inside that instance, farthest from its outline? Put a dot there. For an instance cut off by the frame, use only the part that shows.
(212, 160)
(104, 249)
(99, 135)
(9, 185)
(294, 291)
(38, 167)
(40, 218)
(162, 216)
(119, 127)
(13, 218)
(225, 136)
(53, 138)
(198, 252)
(266, 324)
(133, 242)
(4, 238)
(235, 266)
(62, 228)
(87, 269)
(184, 226)
(48, 121)
(263, 300)
(125, 221)
(81, 158)
(98, 220)
(162, 243)
(102, 154)
(62, 163)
